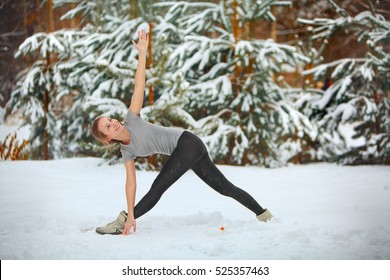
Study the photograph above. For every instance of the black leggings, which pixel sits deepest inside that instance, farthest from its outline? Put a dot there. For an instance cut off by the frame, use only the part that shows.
(191, 153)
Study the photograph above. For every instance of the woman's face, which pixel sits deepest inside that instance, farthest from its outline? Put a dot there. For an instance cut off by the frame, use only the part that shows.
(110, 127)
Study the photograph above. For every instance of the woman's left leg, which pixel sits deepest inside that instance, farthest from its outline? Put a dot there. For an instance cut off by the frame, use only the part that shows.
(213, 177)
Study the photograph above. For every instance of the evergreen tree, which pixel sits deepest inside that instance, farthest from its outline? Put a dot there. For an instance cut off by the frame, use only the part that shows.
(359, 95)
(215, 73)
(99, 76)
(211, 75)
(36, 94)
(92, 67)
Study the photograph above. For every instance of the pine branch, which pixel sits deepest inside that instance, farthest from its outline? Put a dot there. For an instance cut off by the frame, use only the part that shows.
(332, 64)
(184, 3)
(339, 10)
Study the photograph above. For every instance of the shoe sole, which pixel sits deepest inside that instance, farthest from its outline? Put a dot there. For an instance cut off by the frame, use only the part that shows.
(114, 233)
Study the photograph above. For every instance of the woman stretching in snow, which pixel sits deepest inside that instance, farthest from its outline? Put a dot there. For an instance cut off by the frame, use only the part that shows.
(140, 138)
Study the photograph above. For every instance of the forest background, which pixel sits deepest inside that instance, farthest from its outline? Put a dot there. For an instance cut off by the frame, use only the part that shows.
(261, 82)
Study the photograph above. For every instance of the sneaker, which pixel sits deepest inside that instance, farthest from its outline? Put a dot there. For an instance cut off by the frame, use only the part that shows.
(115, 227)
(265, 216)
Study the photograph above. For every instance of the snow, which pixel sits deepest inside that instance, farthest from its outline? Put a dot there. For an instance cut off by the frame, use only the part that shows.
(143, 26)
(49, 209)
(30, 44)
(347, 130)
(23, 132)
(2, 114)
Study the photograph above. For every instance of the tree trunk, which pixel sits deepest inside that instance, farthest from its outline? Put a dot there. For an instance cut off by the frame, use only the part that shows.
(150, 62)
(25, 19)
(45, 147)
(274, 34)
(251, 32)
(133, 9)
(235, 35)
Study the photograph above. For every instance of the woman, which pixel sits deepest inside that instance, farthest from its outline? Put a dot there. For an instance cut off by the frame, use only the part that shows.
(139, 138)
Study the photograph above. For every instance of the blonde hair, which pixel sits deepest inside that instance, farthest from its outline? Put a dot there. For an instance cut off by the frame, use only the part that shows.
(100, 136)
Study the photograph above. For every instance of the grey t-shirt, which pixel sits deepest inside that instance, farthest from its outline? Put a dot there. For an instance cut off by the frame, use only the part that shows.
(147, 139)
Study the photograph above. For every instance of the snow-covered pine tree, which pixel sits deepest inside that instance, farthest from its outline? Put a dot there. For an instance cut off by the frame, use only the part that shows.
(359, 96)
(231, 80)
(93, 69)
(202, 71)
(99, 76)
(36, 94)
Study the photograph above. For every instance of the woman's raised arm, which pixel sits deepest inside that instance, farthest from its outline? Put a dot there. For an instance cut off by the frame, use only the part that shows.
(139, 84)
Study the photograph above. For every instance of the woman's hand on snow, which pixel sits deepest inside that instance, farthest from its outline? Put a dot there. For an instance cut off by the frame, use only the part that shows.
(130, 223)
(143, 42)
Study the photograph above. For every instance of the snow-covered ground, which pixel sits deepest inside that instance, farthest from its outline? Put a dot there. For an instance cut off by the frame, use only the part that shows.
(48, 210)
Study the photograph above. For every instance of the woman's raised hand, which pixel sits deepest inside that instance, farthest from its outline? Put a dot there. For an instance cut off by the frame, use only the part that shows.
(143, 42)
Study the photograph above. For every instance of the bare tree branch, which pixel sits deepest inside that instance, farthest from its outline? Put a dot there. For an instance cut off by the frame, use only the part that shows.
(8, 34)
